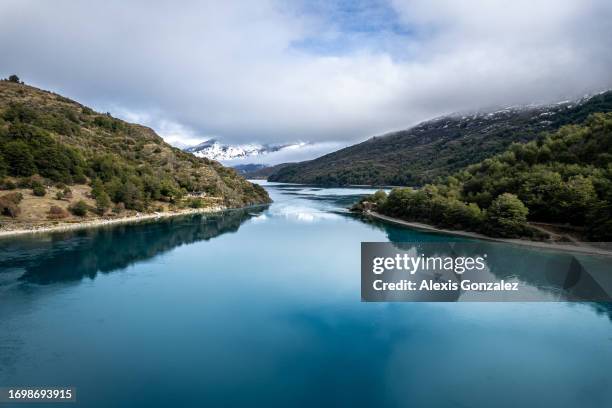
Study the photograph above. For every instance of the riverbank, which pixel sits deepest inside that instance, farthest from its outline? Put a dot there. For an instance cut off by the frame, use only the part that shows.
(584, 248)
(100, 222)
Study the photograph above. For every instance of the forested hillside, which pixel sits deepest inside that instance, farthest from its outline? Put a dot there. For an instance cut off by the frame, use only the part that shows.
(438, 147)
(49, 143)
(563, 177)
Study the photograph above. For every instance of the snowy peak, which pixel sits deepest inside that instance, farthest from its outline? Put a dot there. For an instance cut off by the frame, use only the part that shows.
(214, 150)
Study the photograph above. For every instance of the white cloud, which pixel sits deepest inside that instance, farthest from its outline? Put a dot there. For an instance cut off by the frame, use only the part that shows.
(249, 72)
(290, 154)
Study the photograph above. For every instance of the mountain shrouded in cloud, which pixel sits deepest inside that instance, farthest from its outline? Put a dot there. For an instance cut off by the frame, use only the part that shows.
(325, 71)
(214, 150)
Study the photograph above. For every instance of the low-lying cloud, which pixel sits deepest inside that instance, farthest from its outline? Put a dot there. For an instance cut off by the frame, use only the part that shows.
(270, 71)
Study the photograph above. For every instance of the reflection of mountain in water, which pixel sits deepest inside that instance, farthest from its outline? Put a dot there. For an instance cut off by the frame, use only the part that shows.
(72, 255)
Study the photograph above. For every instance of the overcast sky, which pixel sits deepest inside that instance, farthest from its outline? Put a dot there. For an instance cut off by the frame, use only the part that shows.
(318, 71)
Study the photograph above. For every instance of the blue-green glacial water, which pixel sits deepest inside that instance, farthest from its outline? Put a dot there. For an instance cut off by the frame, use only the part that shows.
(261, 307)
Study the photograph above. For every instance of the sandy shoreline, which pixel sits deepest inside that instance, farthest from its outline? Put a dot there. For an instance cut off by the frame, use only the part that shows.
(100, 222)
(585, 249)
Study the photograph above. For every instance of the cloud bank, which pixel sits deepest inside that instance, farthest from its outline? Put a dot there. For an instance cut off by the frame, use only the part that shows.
(321, 71)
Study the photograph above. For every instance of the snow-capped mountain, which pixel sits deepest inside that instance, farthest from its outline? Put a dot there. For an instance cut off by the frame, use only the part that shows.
(213, 149)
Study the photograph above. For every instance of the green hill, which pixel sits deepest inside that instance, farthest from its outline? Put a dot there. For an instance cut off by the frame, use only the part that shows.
(259, 171)
(49, 143)
(562, 178)
(438, 147)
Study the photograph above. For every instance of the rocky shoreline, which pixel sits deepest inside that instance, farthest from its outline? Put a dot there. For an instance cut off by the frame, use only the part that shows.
(99, 222)
(583, 247)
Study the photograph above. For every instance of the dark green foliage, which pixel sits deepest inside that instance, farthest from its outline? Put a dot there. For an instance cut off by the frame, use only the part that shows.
(60, 123)
(431, 205)
(29, 149)
(7, 185)
(38, 189)
(507, 217)
(368, 202)
(43, 133)
(103, 202)
(79, 208)
(3, 166)
(97, 188)
(564, 177)
(109, 123)
(19, 158)
(196, 203)
(439, 147)
(14, 78)
(18, 112)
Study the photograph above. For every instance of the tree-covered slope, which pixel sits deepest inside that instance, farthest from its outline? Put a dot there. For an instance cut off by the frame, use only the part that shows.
(438, 147)
(563, 177)
(47, 141)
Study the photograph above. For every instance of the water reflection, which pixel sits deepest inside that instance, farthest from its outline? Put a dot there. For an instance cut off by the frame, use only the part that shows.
(550, 274)
(72, 255)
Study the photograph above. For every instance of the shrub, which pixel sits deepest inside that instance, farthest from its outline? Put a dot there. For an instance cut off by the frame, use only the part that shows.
(373, 201)
(56, 213)
(23, 183)
(119, 208)
(19, 158)
(97, 188)
(67, 193)
(15, 197)
(19, 112)
(103, 202)
(59, 195)
(79, 208)
(14, 78)
(38, 189)
(196, 203)
(9, 204)
(3, 164)
(80, 178)
(507, 216)
(8, 185)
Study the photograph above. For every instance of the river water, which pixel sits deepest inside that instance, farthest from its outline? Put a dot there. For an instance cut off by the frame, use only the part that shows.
(261, 307)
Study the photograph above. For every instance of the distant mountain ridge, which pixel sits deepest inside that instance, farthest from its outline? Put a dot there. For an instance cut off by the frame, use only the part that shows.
(439, 146)
(258, 171)
(215, 150)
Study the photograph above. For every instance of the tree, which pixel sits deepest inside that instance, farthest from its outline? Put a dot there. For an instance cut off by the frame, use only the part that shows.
(3, 166)
(19, 158)
(507, 216)
(97, 188)
(131, 195)
(79, 208)
(103, 202)
(14, 78)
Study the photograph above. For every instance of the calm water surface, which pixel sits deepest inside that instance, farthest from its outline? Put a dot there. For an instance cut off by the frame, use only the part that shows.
(262, 308)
